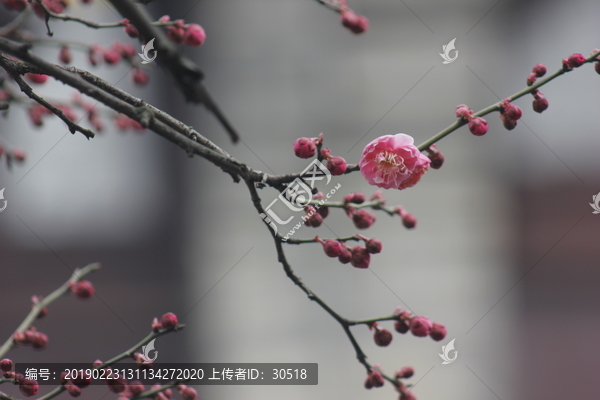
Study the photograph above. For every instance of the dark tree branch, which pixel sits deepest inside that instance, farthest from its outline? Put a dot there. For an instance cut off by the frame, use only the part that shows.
(185, 72)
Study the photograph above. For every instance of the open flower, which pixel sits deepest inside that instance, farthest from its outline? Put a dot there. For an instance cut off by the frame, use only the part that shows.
(392, 161)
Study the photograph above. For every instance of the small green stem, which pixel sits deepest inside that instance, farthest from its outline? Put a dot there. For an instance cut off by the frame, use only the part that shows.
(496, 107)
(371, 320)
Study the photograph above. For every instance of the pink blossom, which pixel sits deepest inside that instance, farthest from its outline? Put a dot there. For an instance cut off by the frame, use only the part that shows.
(392, 161)
(194, 35)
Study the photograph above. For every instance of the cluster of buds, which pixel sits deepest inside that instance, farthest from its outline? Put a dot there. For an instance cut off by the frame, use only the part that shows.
(305, 147)
(408, 220)
(180, 32)
(436, 157)
(28, 387)
(477, 125)
(31, 336)
(540, 103)
(357, 256)
(573, 61)
(509, 114)
(361, 218)
(113, 55)
(37, 112)
(355, 23)
(418, 325)
(82, 289)
(374, 379)
(404, 373)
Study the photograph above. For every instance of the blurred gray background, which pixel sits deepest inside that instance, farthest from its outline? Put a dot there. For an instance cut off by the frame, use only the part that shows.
(504, 252)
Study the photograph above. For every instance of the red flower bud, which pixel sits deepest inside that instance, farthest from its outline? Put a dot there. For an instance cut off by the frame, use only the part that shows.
(336, 165)
(363, 219)
(140, 77)
(169, 321)
(531, 78)
(312, 218)
(111, 56)
(407, 396)
(409, 221)
(73, 390)
(6, 365)
(420, 326)
(373, 246)
(356, 23)
(376, 378)
(539, 70)
(131, 31)
(333, 248)
(305, 147)
(64, 55)
(574, 60)
(360, 257)
(511, 111)
(540, 104)
(478, 126)
(36, 78)
(29, 387)
(187, 392)
(345, 257)
(176, 34)
(39, 341)
(509, 124)
(356, 198)
(464, 112)
(83, 380)
(194, 35)
(401, 326)
(438, 331)
(382, 337)
(405, 372)
(83, 289)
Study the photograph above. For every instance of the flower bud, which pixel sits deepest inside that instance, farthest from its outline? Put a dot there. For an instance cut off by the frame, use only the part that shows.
(382, 337)
(156, 325)
(324, 211)
(509, 124)
(409, 221)
(169, 321)
(346, 256)
(333, 248)
(574, 60)
(540, 104)
(405, 372)
(140, 77)
(29, 387)
(356, 23)
(83, 289)
(376, 378)
(6, 365)
(539, 70)
(136, 387)
(464, 112)
(478, 126)
(336, 165)
(438, 331)
(111, 56)
(373, 246)
(39, 341)
(187, 393)
(73, 390)
(436, 157)
(360, 257)
(36, 78)
(407, 396)
(176, 34)
(83, 380)
(305, 147)
(597, 67)
(312, 218)
(401, 326)
(194, 35)
(531, 78)
(131, 30)
(64, 55)
(512, 111)
(363, 219)
(420, 326)
(356, 198)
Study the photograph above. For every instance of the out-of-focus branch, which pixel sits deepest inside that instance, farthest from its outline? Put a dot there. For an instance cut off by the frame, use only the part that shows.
(184, 71)
(25, 88)
(78, 274)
